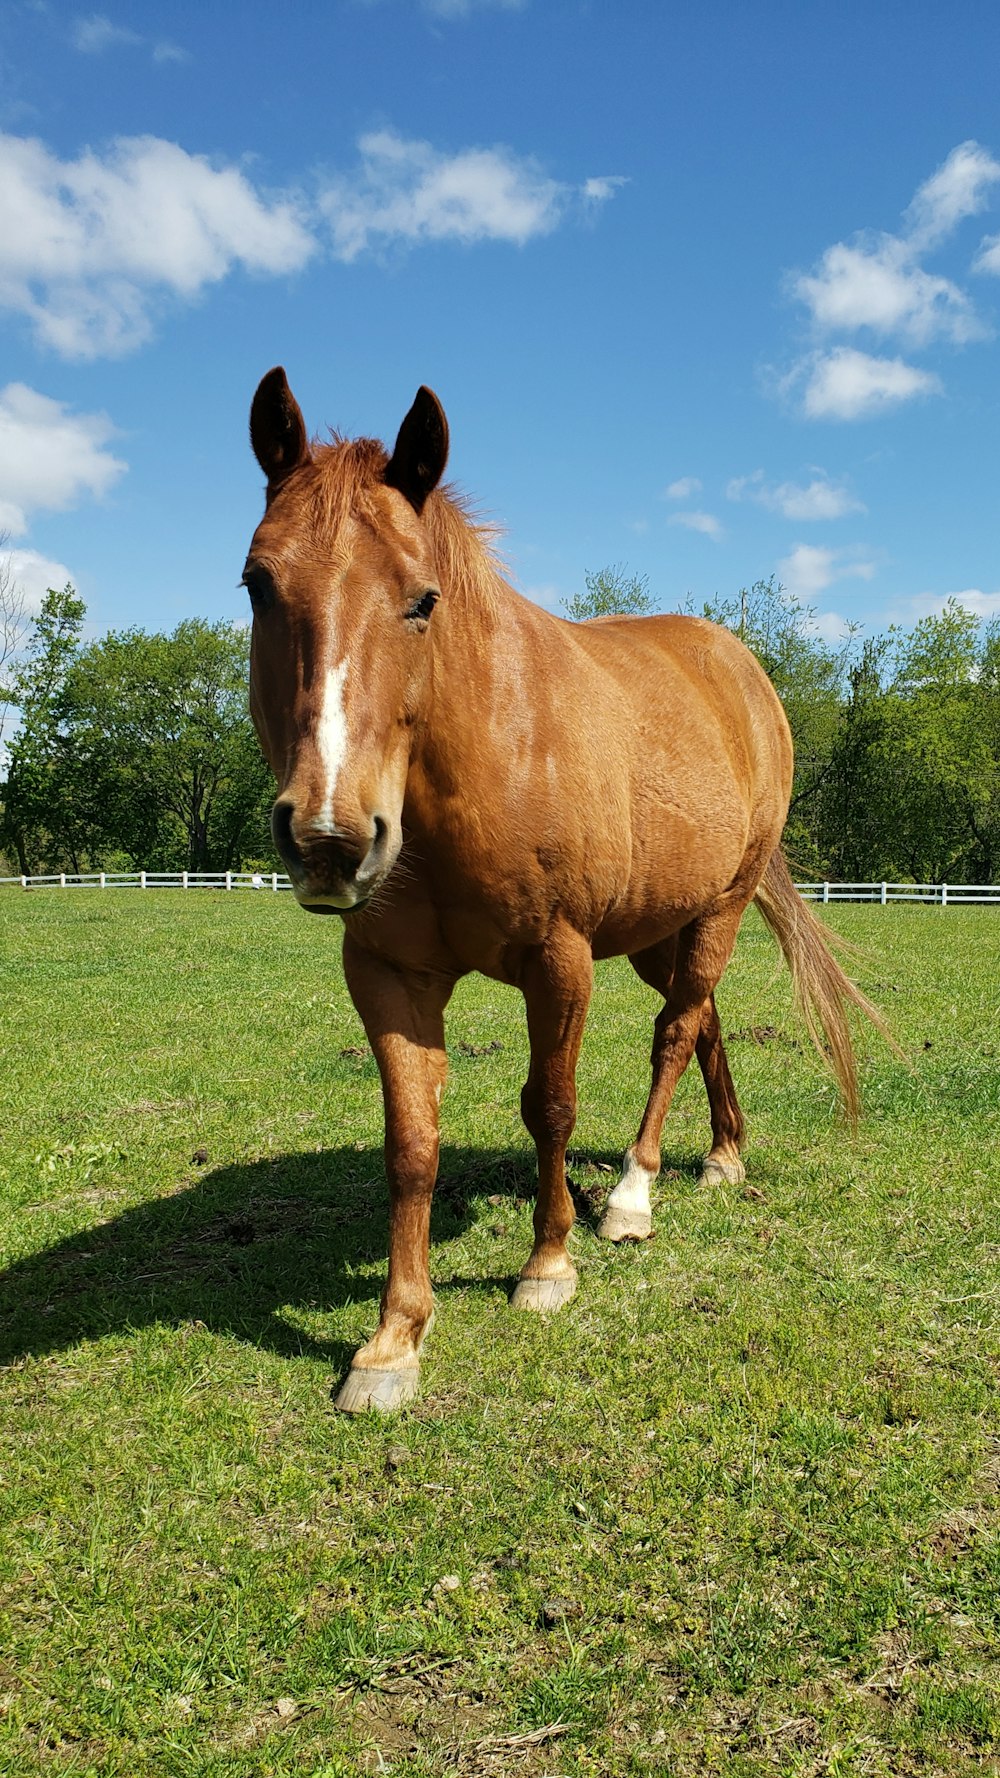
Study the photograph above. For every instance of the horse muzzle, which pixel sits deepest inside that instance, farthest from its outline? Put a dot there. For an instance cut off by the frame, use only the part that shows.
(333, 871)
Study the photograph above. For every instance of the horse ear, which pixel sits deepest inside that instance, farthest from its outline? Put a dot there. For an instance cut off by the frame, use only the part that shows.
(277, 429)
(421, 450)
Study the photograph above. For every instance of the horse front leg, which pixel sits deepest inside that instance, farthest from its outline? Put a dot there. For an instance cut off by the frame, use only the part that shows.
(556, 983)
(403, 1015)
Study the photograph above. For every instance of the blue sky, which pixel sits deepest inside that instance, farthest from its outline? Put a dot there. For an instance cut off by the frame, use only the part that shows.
(711, 291)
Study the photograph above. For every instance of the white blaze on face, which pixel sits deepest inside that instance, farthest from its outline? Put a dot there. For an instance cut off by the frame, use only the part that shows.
(331, 740)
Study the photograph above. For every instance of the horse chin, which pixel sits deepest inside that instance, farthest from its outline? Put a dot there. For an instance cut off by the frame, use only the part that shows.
(332, 904)
(320, 892)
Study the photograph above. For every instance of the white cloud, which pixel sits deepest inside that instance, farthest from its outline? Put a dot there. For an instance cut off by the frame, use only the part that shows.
(846, 384)
(809, 570)
(33, 574)
(879, 287)
(550, 597)
(829, 626)
(982, 605)
(408, 191)
(85, 244)
(988, 257)
(819, 499)
(959, 188)
(460, 9)
(49, 457)
(597, 191)
(876, 282)
(684, 488)
(96, 34)
(705, 522)
(93, 35)
(88, 247)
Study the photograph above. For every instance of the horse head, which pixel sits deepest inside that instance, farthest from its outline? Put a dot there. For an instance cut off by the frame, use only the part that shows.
(343, 584)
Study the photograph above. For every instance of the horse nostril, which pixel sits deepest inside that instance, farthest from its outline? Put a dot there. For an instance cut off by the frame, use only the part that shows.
(281, 831)
(377, 855)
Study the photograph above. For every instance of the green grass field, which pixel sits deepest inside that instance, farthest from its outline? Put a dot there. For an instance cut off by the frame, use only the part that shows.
(734, 1510)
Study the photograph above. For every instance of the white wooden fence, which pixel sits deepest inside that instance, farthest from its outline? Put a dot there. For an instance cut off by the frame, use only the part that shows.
(156, 879)
(942, 894)
(939, 894)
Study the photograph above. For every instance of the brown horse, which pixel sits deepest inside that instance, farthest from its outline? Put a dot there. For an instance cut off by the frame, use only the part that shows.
(474, 784)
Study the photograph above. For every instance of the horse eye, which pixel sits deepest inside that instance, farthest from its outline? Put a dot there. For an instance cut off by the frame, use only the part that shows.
(425, 604)
(260, 586)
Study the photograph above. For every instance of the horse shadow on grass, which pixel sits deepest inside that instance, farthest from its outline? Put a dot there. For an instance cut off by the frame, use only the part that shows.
(245, 1243)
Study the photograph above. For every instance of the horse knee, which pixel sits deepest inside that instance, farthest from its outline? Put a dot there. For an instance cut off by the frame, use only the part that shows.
(412, 1159)
(547, 1117)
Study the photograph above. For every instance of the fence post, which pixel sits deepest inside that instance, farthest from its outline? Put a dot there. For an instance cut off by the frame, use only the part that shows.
(24, 882)
(885, 894)
(184, 879)
(142, 879)
(274, 881)
(826, 893)
(944, 895)
(103, 879)
(229, 879)
(62, 879)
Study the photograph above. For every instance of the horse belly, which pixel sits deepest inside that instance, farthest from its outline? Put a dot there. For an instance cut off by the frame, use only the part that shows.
(680, 865)
(652, 911)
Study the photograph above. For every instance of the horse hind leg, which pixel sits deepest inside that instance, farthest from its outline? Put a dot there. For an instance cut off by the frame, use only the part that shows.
(677, 973)
(628, 1214)
(722, 1164)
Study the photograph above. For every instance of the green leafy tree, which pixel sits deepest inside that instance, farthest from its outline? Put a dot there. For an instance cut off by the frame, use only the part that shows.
(40, 823)
(808, 675)
(611, 592)
(160, 723)
(914, 787)
(855, 805)
(943, 746)
(984, 817)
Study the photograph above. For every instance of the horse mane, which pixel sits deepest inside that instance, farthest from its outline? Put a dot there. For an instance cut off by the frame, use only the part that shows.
(347, 473)
(465, 550)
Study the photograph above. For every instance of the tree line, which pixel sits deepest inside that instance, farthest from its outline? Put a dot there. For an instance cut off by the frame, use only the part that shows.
(136, 750)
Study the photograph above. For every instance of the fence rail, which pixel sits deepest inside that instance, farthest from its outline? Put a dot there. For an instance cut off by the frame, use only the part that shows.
(155, 879)
(937, 894)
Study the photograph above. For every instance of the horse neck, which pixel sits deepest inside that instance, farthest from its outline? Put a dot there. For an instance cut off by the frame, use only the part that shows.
(491, 645)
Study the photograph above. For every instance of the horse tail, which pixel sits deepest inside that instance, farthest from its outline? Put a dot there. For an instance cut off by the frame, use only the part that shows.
(822, 991)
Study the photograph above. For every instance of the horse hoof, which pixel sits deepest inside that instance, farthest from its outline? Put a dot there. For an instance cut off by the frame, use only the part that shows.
(384, 1391)
(625, 1225)
(544, 1295)
(723, 1173)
